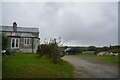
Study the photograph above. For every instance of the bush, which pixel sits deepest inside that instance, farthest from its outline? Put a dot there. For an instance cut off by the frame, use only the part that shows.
(8, 51)
(4, 42)
(46, 50)
(49, 49)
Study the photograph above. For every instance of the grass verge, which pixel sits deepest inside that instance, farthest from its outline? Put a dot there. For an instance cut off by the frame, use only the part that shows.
(105, 59)
(30, 66)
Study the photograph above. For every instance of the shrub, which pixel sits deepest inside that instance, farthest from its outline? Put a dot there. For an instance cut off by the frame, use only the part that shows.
(4, 42)
(8, 51)
(50, 49)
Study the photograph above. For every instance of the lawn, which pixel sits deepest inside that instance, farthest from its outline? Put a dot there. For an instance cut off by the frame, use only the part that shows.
(30, 66)
(0, 67)
(105, 59)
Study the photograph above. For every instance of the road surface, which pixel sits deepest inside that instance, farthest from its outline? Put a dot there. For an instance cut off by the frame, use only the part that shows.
(89, 69)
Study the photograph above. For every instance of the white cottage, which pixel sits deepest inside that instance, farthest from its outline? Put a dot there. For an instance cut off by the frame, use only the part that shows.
(23, 39)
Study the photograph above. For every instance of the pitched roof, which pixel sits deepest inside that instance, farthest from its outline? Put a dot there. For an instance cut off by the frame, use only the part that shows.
(19, 29)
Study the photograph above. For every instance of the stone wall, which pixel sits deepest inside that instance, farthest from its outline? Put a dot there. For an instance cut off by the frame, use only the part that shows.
(22, 47)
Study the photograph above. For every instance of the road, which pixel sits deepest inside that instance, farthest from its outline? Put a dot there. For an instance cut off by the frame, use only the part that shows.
(89, 69)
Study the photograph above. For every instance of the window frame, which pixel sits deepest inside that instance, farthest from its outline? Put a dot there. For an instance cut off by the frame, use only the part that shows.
(14, 40)
(26, 41)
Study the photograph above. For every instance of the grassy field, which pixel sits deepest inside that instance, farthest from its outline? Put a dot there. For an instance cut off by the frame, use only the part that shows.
(104, 59)
(30, 66)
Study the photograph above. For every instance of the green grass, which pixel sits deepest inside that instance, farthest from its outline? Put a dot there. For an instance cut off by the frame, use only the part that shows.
(104, 59)
(0, 67)
(30, 66)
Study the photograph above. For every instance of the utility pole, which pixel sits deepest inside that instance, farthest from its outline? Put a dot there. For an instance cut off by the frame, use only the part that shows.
(55, 51)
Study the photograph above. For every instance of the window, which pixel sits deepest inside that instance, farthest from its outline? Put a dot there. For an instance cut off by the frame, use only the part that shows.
(27, 41)
(15, 43)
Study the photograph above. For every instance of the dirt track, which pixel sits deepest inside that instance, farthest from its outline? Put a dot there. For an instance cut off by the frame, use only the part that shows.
(90, 69)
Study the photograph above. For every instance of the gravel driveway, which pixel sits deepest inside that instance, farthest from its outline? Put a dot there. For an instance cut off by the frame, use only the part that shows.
(90, 69)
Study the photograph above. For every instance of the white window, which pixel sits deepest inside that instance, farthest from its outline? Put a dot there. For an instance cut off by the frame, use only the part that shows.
(15, 43)
(26, 41)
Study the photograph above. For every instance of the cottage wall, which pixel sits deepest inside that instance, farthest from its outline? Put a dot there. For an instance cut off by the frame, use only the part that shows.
(22, 47)
(28, 48)
(35, 34)
(9, 43)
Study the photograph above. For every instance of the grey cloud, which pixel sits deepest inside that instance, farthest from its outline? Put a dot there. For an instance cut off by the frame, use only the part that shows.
(77, 23)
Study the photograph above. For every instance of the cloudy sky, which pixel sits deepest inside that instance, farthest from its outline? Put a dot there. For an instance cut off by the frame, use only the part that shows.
(77, 23)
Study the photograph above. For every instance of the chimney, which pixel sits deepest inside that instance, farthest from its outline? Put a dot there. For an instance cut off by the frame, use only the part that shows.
(15, 27)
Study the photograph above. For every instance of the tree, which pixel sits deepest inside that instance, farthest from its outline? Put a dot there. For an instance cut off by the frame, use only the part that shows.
(4, 42)
(92, 48)
(105, 48)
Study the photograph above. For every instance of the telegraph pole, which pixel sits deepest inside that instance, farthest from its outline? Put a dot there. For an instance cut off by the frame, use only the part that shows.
(55, 51)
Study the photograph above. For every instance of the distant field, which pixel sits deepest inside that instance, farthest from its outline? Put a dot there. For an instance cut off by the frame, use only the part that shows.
(106, 59)
(29, 66)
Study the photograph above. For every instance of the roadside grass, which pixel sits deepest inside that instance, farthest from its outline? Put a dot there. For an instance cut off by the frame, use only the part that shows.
(30, 66)
(105, 59)
(0, 67)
